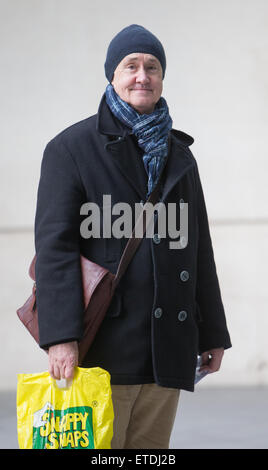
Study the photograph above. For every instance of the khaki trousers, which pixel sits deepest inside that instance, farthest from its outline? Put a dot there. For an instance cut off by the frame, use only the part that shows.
(143, 416)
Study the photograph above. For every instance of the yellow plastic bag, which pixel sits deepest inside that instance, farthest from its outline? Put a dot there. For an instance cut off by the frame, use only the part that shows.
(77, 417)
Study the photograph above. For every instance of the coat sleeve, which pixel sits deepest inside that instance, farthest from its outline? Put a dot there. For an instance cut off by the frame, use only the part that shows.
(213, 332)
(59, 292)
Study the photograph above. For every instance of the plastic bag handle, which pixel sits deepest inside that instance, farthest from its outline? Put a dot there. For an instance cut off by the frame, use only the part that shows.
(62, 384)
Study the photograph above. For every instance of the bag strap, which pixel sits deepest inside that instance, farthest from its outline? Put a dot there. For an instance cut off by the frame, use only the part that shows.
(133, 242)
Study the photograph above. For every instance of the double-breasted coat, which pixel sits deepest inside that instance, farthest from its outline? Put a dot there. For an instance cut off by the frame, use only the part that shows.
(168, 306)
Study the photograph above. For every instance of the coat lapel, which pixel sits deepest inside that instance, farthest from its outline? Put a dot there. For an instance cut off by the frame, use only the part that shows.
(123, 149)
(178, 163)
(128, 156)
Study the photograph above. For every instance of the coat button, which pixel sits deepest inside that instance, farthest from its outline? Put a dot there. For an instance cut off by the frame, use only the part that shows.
(182, 315)
(156, 239)
(184, 275)
(158, 312)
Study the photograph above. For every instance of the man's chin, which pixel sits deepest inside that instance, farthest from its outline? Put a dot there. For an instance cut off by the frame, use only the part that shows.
(142, 106)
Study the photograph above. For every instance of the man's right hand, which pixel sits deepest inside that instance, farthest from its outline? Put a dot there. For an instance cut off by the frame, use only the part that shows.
(62, 359)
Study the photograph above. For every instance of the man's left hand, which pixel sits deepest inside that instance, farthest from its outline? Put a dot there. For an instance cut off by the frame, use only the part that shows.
(211, 360)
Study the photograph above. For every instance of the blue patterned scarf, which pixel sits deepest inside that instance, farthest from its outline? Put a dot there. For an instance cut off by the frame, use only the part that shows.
(151, 130)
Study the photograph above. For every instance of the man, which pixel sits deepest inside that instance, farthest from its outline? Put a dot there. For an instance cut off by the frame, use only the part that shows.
(167, 308)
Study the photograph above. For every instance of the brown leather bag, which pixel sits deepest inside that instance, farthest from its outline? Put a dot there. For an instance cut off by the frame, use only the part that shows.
(99, 285)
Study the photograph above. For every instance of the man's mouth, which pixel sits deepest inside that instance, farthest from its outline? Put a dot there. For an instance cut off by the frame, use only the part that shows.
(141, 89)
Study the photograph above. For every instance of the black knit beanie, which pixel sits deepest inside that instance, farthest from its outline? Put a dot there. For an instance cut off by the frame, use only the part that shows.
(133, 38)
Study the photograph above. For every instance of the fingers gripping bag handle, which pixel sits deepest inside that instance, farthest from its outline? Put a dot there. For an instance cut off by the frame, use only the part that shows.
(79, 416)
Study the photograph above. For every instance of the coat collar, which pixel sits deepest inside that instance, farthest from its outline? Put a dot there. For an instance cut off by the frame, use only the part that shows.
(107, 123)
(124, 152)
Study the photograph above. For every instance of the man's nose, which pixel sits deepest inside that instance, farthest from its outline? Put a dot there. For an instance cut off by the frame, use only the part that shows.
(142, 76)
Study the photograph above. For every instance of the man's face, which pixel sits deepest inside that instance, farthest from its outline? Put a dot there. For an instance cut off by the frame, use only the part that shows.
(138, 81)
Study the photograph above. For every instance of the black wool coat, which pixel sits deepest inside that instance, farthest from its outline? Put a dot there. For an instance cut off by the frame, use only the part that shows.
(168, 306)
